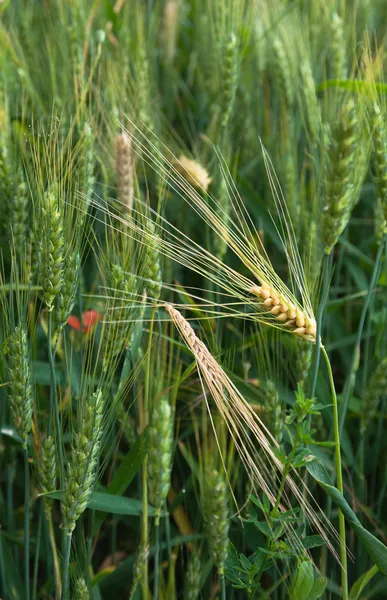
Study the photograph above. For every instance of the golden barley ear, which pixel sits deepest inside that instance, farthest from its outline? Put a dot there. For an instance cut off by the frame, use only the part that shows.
(247, 429)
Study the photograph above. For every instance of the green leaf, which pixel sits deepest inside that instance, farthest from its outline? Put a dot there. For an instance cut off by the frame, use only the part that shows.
(129, 466)
(303, 583)
(108, 503)
(361, 583)
(313, 541)
(376, 550)
(318, 588)
(10, 578)
(11, 433)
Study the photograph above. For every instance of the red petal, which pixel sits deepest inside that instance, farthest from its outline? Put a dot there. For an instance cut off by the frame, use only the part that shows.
(74, 322)
(90, 318)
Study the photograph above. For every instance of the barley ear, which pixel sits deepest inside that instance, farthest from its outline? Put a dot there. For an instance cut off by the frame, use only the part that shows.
(125, 170)
(18, 214)
(81, 591)
(160, 441)
(216, 515)
(379, 157)
(377, 389)
(66, 298)
(230, 72)
(51, 250)
(151, 264)
(339, 182)
(193, 577)
(138, 569)
(47, 469)
(275, 409)
(19, 387)
(83, 466)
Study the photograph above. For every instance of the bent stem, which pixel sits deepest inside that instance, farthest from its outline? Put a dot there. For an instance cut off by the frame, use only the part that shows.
(339, 477)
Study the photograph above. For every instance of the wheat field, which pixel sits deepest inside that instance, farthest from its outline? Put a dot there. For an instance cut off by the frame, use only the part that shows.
(193, 313)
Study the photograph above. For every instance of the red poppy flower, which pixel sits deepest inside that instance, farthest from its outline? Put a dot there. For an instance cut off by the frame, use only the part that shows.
(90, 318)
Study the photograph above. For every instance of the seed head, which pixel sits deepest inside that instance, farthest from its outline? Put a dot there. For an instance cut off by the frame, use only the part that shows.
(51, 250)
(83, 465)
(160, 440)
(125, 170)
(216, 515)
(193, 172)
(19, 388)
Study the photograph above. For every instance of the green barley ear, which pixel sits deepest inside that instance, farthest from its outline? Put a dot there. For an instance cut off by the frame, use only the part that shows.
(377, 389)
(86, 171)
(19, 387)
(337, 57)
(219, 243)
(275, 409)
(5, 184)
(304, 355)
(229, 78)
(83, 466)
(379, 157)
(151, 264)
(66, 298)
(18, 213)
(47, 468)
(282, 72)
(340, 186)
(125, 422)
(51, 250)
(138, 569)
(120, 315)
(216, 515)
(192, 578)
(160, 443)
(169, 31)
(380, 222)
(81, 591)
(312, 108)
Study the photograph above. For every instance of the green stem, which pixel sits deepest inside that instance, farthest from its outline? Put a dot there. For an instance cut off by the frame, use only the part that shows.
(339, 477)
(285, 473)
(144, 530)
(51, 534)
(66, 564)
(327, 269)
(223, 584)
(54, 408)
(37, 552)
(348, 386)
(157, 559)
(26, 525)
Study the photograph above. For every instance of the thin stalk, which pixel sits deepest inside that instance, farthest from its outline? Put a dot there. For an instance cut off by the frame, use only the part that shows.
(54, 408)
(168, 531)
(66, 564)
(285, 473)
(26, 525)
(144, 529)
(223, 584)
(356, 349)
(157, 566)
(339, 477)
(51, 534)
(37, 552)
(327, 270)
